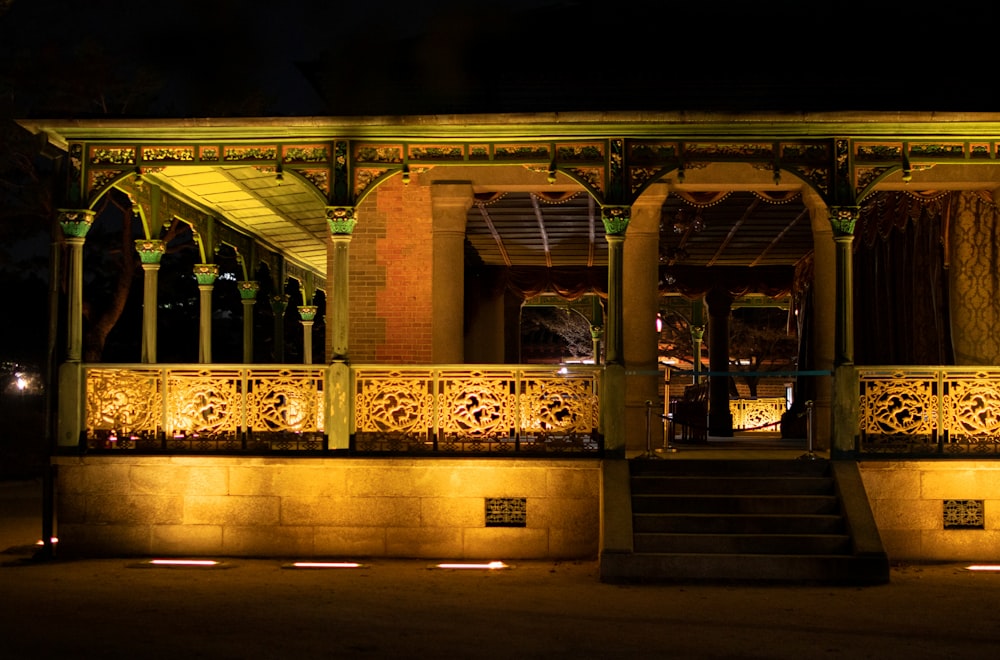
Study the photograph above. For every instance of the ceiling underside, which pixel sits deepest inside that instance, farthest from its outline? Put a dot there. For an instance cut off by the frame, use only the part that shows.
(284, 215)
(556, 230)
(740, 229)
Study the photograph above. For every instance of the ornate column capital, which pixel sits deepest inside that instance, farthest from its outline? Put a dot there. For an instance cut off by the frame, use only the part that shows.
(279, 302)
(206, 273)
(843, 219)
(341, 219)
(308, 312)
(615, 219)
(248, 289)
(150, 251)
(76, 223)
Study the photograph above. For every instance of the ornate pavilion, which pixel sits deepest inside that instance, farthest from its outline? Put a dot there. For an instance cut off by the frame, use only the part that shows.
(420, 434)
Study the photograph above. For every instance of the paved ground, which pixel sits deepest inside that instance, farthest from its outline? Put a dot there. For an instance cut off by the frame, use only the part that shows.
(405, 609)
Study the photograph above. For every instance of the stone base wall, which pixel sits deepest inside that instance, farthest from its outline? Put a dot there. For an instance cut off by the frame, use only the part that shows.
(332, 508)
(908, 501)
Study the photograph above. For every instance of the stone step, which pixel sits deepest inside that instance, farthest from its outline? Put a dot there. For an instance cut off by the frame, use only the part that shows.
(729, 568)
(746, 485)
(730, 467)
(756, 544)
(748, 504)
(691, 523)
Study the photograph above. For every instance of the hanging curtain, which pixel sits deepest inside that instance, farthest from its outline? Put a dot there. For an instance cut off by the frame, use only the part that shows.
(900, 281)
(568, 283)
(974, 278)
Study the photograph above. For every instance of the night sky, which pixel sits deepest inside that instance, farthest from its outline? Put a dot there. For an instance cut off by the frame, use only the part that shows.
(246, 57)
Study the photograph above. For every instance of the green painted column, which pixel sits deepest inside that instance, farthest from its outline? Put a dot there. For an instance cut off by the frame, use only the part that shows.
(845, 395)
(339, 397)
(150, 253)
(248, 296)
(615, 219)
(341, 220)
(75, 224)
(308, 315)
(206, 275)
(279, 304)
(843, 237)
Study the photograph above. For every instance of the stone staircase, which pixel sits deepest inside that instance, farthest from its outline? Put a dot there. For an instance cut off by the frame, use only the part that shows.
(749, 520)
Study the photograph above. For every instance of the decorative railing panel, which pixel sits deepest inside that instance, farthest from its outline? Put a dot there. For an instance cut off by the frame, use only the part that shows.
(179, 408)
(929, 410)
(124, 406)
(259, 409)
(474, 409)
(285, 408)
(757, 414)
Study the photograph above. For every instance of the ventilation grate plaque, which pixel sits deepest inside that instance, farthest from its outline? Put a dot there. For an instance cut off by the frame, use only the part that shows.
(964, 514)
(506, 511)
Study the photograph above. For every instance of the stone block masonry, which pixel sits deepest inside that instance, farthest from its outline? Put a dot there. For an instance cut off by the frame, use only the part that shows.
(306, 507)
(907, 500)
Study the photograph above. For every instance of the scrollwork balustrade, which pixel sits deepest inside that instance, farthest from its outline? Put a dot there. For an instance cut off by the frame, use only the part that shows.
(929, 410)
(220, 408)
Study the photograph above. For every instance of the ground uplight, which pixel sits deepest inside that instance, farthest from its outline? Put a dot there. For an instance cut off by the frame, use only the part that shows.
(490, 566)
(324, 564)
(180, 563)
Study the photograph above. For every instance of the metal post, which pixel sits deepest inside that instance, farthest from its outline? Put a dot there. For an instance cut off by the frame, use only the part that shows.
(809, 455)
(649, 433)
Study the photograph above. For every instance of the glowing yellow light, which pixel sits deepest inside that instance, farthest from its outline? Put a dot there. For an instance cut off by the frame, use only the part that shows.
(54, 540)
(492, 566)
(183, 562)
(984, 567)
(326, 564)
